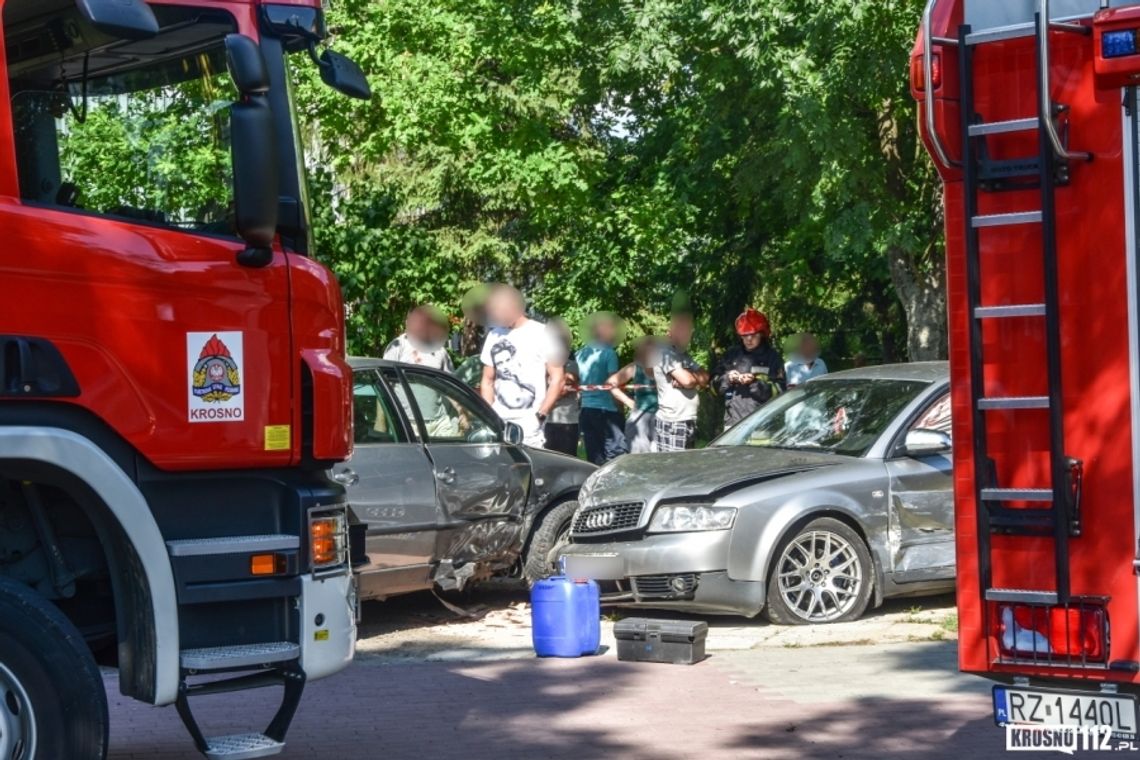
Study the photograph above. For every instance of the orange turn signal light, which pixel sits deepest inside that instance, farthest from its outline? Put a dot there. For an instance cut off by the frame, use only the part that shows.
(324, 551)
(328, 539)
(266, 564)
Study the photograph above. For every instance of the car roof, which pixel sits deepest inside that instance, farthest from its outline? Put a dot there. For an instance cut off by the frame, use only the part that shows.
(364, 362)
(928, 372)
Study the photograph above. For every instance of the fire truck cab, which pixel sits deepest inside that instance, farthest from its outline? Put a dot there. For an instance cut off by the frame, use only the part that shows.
(1030, 112)
(173, 384)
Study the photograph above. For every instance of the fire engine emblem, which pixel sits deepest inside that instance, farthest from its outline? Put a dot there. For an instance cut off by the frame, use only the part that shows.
(215, 361)
(216, 374)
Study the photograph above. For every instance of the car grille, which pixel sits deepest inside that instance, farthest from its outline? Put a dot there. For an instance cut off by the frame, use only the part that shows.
(665, 586)
(609, 518)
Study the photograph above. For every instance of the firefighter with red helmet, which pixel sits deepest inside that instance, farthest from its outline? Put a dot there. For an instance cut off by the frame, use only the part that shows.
(751, 373)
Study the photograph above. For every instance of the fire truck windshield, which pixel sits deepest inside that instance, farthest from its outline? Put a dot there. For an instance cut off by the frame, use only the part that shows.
(132, 129)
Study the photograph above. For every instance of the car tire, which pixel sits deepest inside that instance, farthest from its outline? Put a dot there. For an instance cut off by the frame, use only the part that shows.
(550, 532)
(820, 573)
(52, 700)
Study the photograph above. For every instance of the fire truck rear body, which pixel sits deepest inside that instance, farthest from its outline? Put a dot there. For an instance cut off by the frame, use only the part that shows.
(1041, 244)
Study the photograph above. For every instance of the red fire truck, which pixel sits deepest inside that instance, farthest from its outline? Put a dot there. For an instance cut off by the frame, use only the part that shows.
(1029, 109)
(172, 374)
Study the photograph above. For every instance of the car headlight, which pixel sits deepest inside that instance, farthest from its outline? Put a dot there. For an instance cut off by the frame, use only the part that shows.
(680, 518)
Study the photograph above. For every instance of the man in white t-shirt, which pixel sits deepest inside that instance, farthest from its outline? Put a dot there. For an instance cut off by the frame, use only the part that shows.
(523, 365)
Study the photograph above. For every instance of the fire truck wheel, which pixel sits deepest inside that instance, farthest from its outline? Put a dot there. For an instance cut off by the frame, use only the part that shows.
(551, 532)
(52, 702)
(822, 574)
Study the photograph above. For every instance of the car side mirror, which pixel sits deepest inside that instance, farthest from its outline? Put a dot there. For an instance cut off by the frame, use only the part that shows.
(922, 442)
(344, 75)
(513, 434)
(126, 19)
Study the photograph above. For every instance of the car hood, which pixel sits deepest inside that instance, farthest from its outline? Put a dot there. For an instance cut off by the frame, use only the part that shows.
(707, 472)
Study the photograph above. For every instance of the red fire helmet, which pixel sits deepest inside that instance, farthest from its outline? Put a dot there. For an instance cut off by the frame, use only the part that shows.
(752, 322)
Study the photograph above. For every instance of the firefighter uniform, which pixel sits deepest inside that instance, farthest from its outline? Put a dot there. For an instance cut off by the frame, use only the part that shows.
(765, 364)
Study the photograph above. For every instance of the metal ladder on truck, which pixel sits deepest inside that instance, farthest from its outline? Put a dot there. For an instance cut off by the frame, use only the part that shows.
(1058, 515)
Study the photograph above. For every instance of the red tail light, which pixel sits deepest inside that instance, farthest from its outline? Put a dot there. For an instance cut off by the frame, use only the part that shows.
(1057, 635)
(917, 77)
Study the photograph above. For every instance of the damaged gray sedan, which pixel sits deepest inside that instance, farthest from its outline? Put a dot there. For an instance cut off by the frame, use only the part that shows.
(827, 500)
(442, 493)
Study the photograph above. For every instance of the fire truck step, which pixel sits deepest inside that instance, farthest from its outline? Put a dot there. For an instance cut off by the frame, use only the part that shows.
(1027, 522)
(1006, 220)
(199, 547)
(1003, 127)
(1006, 312)
(1021, 596)
(242, 746)
(1014, 402)
(239, 656)
(1017, 494)
(234, 747)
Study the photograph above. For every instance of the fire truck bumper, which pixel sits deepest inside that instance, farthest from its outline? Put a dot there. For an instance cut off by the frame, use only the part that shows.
(328, 624)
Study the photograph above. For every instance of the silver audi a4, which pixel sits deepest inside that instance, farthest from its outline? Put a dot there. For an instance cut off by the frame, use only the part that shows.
(829, 499)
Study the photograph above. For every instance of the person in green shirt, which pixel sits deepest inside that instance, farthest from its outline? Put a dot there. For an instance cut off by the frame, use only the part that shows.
(640, 425)
(599, 420)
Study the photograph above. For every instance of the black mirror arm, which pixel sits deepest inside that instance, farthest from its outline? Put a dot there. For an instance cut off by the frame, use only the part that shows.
(255, 258)
(313, 53)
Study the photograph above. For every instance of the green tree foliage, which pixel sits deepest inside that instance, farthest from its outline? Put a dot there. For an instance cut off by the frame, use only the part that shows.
(599, 154)
(159, 150)
(607, 153)
(479, 160)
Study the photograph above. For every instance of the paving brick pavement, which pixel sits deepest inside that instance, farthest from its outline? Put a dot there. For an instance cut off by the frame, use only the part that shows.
(771, 705)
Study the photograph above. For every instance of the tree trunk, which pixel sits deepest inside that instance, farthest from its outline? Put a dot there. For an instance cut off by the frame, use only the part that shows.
(923, 298)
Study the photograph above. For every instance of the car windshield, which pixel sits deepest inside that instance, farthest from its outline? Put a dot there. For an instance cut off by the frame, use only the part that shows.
(836, 416)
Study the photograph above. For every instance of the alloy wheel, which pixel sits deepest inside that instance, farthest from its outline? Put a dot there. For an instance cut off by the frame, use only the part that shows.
(17, 720)
(819, 576)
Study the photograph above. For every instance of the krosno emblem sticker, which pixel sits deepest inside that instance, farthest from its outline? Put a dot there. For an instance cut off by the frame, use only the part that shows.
(215, 364)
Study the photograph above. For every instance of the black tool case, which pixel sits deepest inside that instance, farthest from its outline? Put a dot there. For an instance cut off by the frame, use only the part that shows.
(680, 642)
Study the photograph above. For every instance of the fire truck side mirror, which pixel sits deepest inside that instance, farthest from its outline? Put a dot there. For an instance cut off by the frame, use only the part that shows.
(246, 65)
(344, 75)
(253, 151)
(128, 19)
(254, 154)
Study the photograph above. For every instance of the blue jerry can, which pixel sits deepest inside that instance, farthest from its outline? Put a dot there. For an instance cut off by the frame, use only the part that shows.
(565, 617)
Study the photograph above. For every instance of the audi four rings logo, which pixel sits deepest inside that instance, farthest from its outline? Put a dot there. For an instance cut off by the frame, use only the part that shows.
(599, 520)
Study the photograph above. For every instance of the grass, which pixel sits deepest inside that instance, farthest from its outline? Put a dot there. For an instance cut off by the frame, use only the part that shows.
(950, 623)
(823, 644)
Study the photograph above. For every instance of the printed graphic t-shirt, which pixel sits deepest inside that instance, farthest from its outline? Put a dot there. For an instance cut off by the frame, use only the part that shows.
(519, 357)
